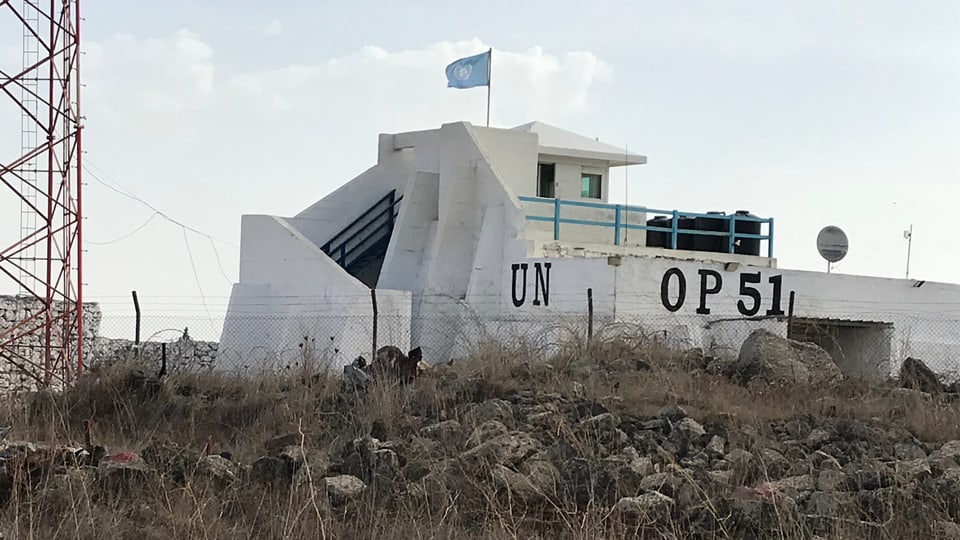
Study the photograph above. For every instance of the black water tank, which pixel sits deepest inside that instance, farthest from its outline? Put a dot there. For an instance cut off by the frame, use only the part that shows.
(705, 242)
(684, 240)
(658, 238)
(748, 246)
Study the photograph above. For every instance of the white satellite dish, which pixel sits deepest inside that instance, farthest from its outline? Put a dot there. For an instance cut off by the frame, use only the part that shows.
(832, 244)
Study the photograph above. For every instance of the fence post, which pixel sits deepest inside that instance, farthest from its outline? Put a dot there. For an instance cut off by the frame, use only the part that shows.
(790, 314)
(556, 219)
(136, 308)
(373, 298)
(590, 315)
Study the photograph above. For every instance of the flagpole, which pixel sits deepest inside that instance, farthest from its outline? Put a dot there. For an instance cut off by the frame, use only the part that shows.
(489, 72)
(909, 236)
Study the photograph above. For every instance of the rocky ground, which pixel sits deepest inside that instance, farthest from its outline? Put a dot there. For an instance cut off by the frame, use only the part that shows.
(620, 440)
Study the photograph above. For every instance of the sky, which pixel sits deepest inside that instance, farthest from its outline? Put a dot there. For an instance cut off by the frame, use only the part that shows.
(815, 113)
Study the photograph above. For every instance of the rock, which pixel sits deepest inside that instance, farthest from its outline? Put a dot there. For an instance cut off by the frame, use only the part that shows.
(691, 428)
(909, 451)
(913, 470)
(446, 432)
(343, 488)
(716, 446)
(671, 413)
(171, 460)
(518, 486)
(355, 376)
(493, 409)
(832, 480)
(648, 506)
(279, 444)
(486, 431)
(793, 486)
(777, 359)
(509, 449)
(666, 483)
(916, 375)
(273, 471)
(818, 437)
(122, 473)
(601, 423)
(220, 470)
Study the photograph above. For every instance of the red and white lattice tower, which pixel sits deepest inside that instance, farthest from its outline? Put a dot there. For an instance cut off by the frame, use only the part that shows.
(45, 343)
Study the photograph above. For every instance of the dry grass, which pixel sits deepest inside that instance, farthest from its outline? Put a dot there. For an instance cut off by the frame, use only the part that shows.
(240, 414)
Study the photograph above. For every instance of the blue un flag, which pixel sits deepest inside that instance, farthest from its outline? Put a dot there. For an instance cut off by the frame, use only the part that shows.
(469, 71)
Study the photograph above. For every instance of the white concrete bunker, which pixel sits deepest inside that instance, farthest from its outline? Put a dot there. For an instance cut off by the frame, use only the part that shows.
(466, 231)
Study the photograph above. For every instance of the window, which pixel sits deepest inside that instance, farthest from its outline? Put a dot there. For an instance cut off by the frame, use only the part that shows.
(590, 186)
(546, 180)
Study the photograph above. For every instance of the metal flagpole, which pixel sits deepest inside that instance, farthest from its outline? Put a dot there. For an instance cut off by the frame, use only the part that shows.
(489, 80)
(909, 236)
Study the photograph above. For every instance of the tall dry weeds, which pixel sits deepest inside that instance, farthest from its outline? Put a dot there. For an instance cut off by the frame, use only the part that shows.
(238, 414)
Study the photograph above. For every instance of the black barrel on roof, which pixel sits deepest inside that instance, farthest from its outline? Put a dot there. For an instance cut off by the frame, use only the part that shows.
(709, 242)
(658, 238)
(747, 246)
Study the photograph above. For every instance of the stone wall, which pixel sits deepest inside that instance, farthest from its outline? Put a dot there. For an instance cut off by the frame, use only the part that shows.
(182, 354)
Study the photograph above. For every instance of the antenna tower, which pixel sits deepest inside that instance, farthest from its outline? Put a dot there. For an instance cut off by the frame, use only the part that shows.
(44, 264)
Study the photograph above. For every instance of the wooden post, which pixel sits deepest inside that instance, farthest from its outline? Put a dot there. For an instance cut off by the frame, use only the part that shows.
(790, 314)
(136, 308)
(590, 315)
(373, 298)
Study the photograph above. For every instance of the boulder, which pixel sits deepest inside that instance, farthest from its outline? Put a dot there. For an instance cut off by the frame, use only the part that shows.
(916, 375)
(123, 473)
(776, 359)
(343, 488)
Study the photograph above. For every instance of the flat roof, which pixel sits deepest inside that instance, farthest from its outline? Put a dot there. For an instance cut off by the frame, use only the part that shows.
(557, 141)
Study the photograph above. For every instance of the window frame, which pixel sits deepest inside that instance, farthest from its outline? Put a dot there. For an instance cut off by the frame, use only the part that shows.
(591, 177)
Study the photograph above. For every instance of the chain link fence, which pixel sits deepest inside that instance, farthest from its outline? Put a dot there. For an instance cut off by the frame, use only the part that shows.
(868, 347)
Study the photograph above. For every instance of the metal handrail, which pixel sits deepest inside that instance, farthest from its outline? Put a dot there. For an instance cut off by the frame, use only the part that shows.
(341, 243)
(674, 229)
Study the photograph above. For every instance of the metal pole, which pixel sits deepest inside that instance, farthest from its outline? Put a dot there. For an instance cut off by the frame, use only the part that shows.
(489, 81)
(589, 315)
(136, 309)
(373, 299)
(909, 245)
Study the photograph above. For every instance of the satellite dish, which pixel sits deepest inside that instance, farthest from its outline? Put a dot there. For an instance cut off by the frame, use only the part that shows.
(832, 243)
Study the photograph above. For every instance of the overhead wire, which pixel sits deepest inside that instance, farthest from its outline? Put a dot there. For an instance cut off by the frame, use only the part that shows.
(124, 237)
(126, 192)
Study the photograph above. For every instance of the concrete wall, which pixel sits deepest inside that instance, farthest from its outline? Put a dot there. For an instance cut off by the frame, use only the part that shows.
(631, 291)
(568, 173)
(292, 296)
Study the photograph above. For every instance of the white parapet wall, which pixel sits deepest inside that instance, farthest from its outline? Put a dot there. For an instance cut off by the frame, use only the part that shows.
(868, 324)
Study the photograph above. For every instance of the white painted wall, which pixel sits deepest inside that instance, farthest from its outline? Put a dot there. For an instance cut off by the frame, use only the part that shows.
(290, 290)
(266, 324)
(413, 233)
(568, 173)
(630, 292)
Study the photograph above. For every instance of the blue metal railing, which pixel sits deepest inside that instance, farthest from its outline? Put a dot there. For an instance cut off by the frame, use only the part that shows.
(731, 233)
